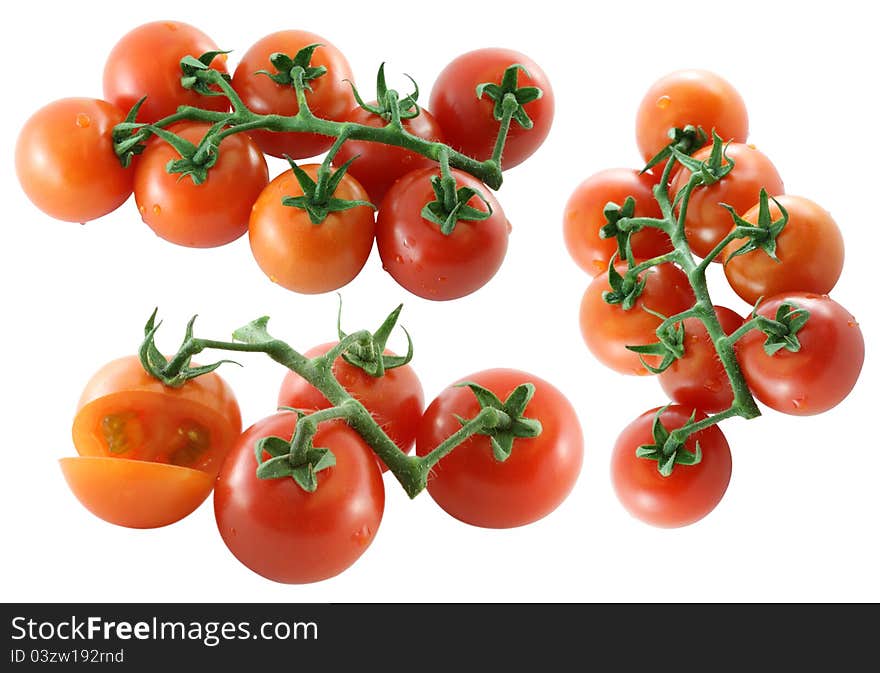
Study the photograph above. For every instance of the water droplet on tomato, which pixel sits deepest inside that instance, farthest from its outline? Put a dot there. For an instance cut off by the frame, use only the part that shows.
(398, 259)
(442, 279)
(157, 209)
(170, 26)
(274, 279)
(798, 402)
(852, 322)
(712, 385)
(142, 209)
(363, 535)
(663, 102)
(83, 120)
(408, 242)
(752, 146)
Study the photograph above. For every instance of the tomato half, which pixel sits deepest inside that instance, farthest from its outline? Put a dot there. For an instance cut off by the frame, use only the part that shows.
(707, 222)
(428, 262)
(686, 495)
(148, 454)
(608, 329)
(698, 379)
(65, 161)
(285, 534)
(377, 165)
(330, 96)
(584, 218)
(395, 400)
(809, 249)
(474, 487)
(818, 376)
(306, 257)
(468, 122)
(211, 214)
(695, 97)
(146, 62)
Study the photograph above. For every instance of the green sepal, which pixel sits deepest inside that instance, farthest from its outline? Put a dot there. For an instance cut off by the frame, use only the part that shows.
(191, 67)
(502, 438)
(613, 215)
(125, 142)
(207, 150)
(284, 66)
(319, 210)
(625, 290)
(667, 452)
(669, 345)
(763, 235)
(282, 463)
(782, 332)
(407, 108)
(371, 357)
(716, 167)
(254, 333)
(685, 140)
(439, 213)
(508, 85)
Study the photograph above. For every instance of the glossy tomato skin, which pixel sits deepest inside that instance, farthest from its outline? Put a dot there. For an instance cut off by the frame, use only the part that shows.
(817, 377)
(305, 257)
(330, 97)
(208, 215)
(146, 62)
(378, 166)
(608, 329)
(285, 534)
(472, 486)
(707, 222)
(427, 262)
(65, 161)
(685, 496)
(698, 379)
(584, 218)
(695, 97)
(395, 400)
(809, 248)
(468, 122)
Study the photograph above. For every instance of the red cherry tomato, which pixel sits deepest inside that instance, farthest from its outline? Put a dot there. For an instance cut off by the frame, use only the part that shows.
(608, 329)
(428, 262)
(474, 487)
(146, 62)
(584, 218)
(330, 96)
(698, 379)
(694, 97)
(707, 222)
(809, 249)
(200, 216)
(306, 257)
(395, 400)
(818, 376)
(286, 534)
(377, 165)
(65, 160)
(686, 495)
(468, 122)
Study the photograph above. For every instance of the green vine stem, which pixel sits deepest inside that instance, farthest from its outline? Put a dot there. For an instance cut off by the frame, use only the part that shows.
(501, 421)
(129, 135)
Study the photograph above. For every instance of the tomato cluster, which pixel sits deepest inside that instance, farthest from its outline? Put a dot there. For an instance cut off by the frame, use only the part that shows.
(779, 253)
(150, 453)
(67, 164)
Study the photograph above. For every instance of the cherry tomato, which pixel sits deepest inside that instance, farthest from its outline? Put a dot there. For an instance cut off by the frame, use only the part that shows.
(200, 216)
(694, 97)
(395, 400)
(65, 160)
(474, 487)
(377, 166)
(698, 379)
(686, 495)
(608, 329)
(148, 454)
(809, 249)
(818, 376)
(330, 96)
(306, 257)
(584, 217)
(707, 222)
(285, 534)
(468, 122)
(428, 262)
(146, 62)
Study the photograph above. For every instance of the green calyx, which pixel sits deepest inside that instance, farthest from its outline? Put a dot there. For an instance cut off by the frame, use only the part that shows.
(126, 143)
(191, 67)
(285, 67)
(389, 105)
(317, 199)
(612, 229)
(451, 203)
(713, 169)
(370, 356)
(625, 289)
(761, 236)
(666, 449)
(298, 460)
(684, 141)
(512, 424)
(509, 89)
(669, 345)
(782, 332)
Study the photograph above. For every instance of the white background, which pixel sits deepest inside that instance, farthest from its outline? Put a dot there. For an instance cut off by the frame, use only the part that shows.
(799, 522)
